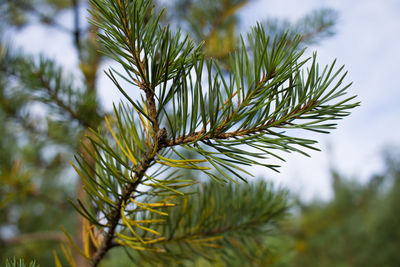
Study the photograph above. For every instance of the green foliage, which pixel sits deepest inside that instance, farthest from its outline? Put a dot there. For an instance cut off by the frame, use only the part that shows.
(17, 12)
(313, 27)
(187, 102)
(43, 81)
(20, 263)
(213, 227)
(215, 23)
(216, 117)
(358, 227)
(42, 116)
(32, 158)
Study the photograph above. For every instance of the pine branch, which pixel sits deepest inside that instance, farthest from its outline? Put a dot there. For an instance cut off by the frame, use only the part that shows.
(115, 215)
(217, 219)
(201, 136)
(267, 91)
(143, 83)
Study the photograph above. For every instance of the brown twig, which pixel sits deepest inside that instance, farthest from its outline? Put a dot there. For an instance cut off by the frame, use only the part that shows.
(115, 214)
(199, 136)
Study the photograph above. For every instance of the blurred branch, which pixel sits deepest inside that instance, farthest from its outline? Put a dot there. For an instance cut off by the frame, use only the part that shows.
(42, 17)
(49, 200)
(77, 32)
(33, 237)
(59, 102)
(22, 121)
(313, 27)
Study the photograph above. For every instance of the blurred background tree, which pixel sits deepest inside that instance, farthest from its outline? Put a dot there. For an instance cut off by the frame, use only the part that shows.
(358, 227)
(45, 112)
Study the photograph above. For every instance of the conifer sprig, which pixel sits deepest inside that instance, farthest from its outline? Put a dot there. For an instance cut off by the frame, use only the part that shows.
(229, 119)
(213, 219)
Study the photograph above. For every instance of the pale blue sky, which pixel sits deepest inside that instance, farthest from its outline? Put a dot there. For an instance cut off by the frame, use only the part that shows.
(367, 42)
